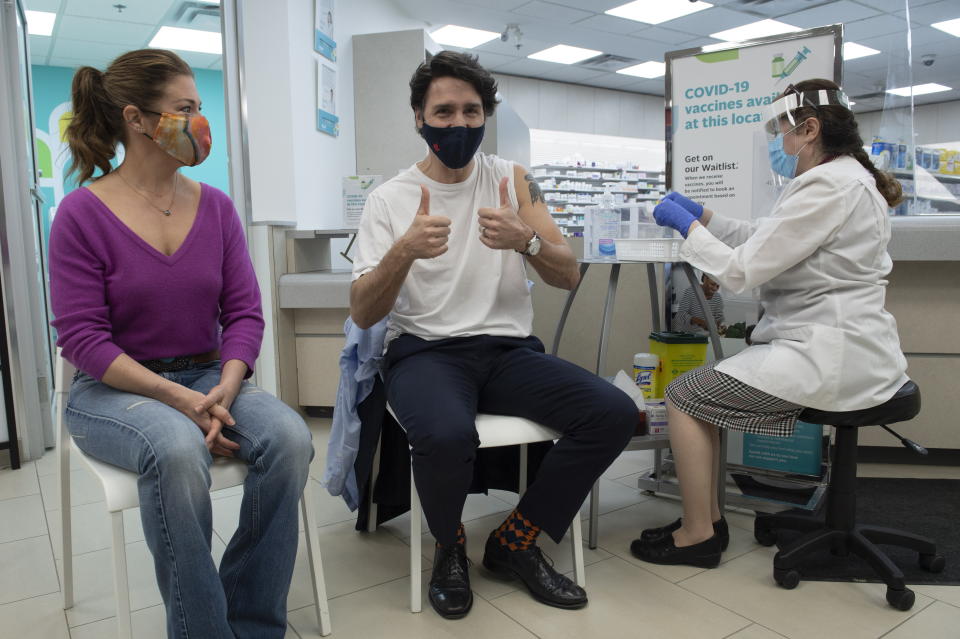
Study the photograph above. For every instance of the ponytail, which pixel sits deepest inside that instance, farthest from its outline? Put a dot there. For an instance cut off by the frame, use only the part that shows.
(137, 78)
(840, 135)
(889, 186)
(94, 130)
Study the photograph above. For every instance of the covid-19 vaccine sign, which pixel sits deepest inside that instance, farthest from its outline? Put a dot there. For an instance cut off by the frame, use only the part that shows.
(717, 104)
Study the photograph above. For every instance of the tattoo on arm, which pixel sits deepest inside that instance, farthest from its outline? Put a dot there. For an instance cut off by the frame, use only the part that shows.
(536, 195)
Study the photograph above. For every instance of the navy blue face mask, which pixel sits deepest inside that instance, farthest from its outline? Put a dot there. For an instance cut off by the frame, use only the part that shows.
(454, 145)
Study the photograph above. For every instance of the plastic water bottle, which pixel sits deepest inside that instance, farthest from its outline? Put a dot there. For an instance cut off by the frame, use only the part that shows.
(607, 228)
(645, 367)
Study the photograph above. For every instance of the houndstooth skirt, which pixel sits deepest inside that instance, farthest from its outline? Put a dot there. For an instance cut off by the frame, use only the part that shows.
(724, 401)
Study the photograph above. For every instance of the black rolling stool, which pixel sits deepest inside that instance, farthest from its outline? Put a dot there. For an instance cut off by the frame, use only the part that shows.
(839, 530)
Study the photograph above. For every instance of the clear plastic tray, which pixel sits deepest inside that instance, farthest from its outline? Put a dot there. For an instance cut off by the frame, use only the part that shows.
(649, 249)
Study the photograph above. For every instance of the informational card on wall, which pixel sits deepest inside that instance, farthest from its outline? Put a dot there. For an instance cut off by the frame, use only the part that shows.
(718, 104)
(323, 42)
(356, 188)
(327, 120)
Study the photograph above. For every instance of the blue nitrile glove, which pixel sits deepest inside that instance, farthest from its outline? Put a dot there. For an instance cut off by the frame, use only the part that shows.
(669, 213)
(687, 203)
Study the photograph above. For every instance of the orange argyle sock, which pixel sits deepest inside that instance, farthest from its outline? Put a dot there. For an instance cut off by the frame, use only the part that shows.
(461, 535)
(517, 532)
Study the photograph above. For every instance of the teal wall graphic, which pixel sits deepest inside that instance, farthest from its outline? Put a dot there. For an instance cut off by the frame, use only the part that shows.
(51, 99)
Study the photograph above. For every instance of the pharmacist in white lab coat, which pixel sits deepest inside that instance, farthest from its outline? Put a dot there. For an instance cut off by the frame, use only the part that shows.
(825, 340)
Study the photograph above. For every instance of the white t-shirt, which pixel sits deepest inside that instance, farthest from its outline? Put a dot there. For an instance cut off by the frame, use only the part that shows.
(469, 290)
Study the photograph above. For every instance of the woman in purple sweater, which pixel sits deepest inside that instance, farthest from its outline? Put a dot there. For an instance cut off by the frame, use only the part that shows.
(157, 305)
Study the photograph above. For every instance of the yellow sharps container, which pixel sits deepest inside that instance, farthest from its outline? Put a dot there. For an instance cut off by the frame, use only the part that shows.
(679, 353)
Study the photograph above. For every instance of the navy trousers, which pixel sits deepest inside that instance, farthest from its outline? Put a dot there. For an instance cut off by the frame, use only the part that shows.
(436, 388)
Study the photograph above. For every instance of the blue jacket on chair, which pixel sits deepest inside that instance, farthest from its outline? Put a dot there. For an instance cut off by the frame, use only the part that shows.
(359, 366)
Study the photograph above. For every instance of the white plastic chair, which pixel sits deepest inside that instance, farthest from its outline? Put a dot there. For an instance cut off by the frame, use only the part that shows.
(494, 430)
(120, 488)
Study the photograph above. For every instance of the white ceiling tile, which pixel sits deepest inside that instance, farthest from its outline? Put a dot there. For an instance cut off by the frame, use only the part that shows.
(40, 45)
(895, 5)
(42, 5)
(572, 74)
(496, 5)
(871, 27)
(611, 81)
(529, 45)
(526, 67)
(198, 60)
(598, 6)
(127, 34)
(754, 9)
(609, 24)
(493, 60)
(553, 12)
(142, 11)
(832, 13)
(99, 62)
(85, 49)
(933, 12)
(709, 21)
(669, 37)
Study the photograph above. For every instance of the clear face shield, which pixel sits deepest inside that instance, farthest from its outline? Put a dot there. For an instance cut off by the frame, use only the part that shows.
(782, 119)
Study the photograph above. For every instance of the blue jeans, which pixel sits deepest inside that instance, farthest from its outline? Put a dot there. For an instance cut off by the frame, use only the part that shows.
(247, 599)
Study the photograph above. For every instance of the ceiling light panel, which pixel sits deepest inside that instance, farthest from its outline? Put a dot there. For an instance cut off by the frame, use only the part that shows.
(852, 51)
(949, 26)
(759, 29)
(564, 54)
(188, 40)
(40, 23)
(645, 70)
(657, 12)
(463, 37)
(919, 89)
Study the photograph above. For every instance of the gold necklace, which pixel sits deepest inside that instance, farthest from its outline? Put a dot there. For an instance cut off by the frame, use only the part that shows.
(166, 211)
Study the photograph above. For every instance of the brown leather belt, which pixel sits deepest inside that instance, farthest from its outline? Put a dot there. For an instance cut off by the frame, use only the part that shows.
(183, 362)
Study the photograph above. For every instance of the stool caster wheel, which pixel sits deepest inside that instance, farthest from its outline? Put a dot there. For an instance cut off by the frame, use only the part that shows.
(763, 535)
(932, 563)
(790, 578)
(900, 599)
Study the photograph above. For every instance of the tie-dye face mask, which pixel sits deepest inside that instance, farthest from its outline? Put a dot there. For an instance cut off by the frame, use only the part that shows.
(185, 137)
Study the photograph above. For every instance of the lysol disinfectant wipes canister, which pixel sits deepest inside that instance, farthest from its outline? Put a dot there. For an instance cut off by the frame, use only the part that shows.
(645, 367)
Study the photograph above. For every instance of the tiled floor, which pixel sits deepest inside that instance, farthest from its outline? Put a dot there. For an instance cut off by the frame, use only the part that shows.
(367, 574)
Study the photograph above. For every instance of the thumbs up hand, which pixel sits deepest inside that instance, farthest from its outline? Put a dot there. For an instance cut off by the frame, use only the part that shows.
(501, 228)
(428, 234)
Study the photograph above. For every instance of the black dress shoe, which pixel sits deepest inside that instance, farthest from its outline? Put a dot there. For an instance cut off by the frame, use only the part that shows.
(663, 551)
(720, 528)
(450, 593)
(529, 566)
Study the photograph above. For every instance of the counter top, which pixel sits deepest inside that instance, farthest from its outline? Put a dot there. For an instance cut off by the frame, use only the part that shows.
(315, 289)
(925, 238)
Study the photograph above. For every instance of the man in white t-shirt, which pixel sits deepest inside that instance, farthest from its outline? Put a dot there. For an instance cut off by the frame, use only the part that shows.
(442, 249)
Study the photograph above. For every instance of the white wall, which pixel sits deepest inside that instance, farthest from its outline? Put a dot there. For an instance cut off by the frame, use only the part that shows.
(295, 169)
(558, 106)
(933, 123)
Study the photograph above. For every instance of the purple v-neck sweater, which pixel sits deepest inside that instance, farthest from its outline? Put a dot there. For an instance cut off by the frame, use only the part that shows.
(113, 293)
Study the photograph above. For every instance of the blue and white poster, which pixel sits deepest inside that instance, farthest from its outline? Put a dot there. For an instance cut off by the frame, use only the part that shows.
(323, 42)
(327, 120)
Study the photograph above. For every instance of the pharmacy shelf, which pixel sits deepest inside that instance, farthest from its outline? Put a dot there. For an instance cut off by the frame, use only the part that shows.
(942, 177)
(648, 186)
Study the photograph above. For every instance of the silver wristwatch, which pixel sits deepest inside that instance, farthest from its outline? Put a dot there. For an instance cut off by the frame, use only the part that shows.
(533, 246)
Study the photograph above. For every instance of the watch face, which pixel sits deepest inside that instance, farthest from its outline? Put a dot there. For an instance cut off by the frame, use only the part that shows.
(533, 246)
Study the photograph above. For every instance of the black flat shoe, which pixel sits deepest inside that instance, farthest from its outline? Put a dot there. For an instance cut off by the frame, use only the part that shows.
(449, 591)
(529, 566)
(720, 528)
(663, 551)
